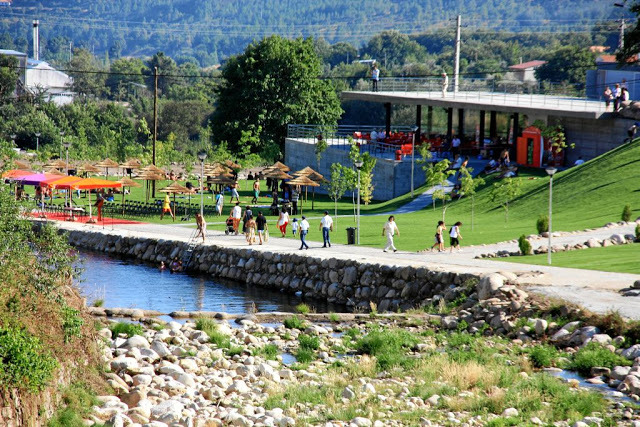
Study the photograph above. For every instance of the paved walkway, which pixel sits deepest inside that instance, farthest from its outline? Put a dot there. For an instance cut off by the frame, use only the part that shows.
(596, 290)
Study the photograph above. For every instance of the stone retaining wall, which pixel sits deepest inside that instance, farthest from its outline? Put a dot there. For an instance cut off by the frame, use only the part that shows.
(348, 282)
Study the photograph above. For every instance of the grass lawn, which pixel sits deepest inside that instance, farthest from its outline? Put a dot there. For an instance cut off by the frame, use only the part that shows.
(618, 259)
(584, 197)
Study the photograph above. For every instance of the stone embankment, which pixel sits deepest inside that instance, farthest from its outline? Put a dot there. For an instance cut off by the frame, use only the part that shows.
(355, 284)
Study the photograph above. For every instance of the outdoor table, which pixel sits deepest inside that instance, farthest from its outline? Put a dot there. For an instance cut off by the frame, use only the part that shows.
(73, 211)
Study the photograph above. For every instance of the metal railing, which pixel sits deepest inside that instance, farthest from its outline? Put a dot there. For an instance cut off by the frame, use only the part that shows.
(499, 92)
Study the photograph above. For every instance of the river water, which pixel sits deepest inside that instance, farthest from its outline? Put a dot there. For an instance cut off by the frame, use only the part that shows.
(129, 283)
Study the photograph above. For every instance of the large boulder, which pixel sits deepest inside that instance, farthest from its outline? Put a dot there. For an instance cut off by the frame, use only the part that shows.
(169, 411)
(489, 284)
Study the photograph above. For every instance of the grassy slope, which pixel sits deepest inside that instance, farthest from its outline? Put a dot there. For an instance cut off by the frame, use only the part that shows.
(619, 259)
(586, 196)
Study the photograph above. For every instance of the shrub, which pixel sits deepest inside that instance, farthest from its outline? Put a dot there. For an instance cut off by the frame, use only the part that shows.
(294, 322)
(206, 325)
(309, 342)
(303, 308)
(23, 362)
(130, 329)
(333, 317)
(611, 323)
(388, 346)
(638, 232)
(626, 213)
(235, 350)
(594, 354)
(632, 334)
(543, 356)
(98, 303)
(269, 352)
(525, 246)
(71, 323)
(542, 224)
(305, 355)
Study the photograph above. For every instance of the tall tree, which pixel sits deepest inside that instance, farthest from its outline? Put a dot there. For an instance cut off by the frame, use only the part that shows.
(88, 76)
(272, 84)
(567, 64)
(8, 76)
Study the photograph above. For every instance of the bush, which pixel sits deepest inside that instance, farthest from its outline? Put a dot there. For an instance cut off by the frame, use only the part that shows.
(294, 322)
(388, 346)
(593, 355)
(542, 224)
(71, 323)
(303, 308)
(626, 213)
(525, 246)
(632, 334)
(333, 317)
(209, 326)
(309, 342)
(611, 323)
(130, 329)
(304, 355)
(543, 356)
(638, 232)
(23, 362)
(269, 352)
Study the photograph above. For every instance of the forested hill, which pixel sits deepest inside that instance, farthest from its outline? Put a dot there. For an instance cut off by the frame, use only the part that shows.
(209, 30)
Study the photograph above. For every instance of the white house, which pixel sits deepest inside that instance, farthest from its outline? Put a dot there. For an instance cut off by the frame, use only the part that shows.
(525, 72)
(40, 77)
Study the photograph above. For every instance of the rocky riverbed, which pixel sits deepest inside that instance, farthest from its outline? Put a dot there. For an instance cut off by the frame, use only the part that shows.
(479, 358)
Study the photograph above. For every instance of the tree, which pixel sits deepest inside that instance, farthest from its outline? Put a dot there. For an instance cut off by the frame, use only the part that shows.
(337, 185)
(566, 64)
(166, 67)
(468, 185)
(437, 174)
(8, 76)
(505, 191)
(555, 134)
(88, 79)
(394, 48)
(126, 71)
(272, 84)
(366, 171)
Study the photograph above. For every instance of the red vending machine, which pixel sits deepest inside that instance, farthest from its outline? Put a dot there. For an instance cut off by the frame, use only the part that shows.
(530, 147)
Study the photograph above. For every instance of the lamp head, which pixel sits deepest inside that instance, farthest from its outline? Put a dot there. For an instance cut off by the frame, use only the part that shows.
(61, 133)
(359, 164)
(13, 136)
(551, 171)
(202, 155)
(37, 134)
(66, 144)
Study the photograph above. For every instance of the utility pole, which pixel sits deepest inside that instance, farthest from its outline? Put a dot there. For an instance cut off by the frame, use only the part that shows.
(622, 28)
(456, 70)
(155, 125)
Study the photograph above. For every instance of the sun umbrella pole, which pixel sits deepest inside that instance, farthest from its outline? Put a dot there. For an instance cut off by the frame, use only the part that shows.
(90, 213)
(122, 201)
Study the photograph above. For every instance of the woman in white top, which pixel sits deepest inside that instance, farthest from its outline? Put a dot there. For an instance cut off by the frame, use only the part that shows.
(455, 236)
(283, 221)
(389, 229)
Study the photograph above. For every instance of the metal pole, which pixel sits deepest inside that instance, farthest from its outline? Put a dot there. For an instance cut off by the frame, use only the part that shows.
(202, 190)
(68, 163)
(550, 204)
(413, 150)
(456, 71)
(358, 231)
(155, 124)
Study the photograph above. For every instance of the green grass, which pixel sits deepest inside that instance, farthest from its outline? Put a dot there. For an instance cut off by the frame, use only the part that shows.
(78, 400)
(268, 352)
(388, 346)
(294, 322)
(303, 308)
(130, 329)
(593, 355)
(618, 259)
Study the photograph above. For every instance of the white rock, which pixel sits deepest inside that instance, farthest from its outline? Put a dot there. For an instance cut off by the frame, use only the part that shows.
(160, 348)
(540, 326)
(169, 411)
(184, 378)
(632, 352)
(135, 341)
(368, 388)
(347, 393)
(235, 419)
(489, 284)
(433, 400)
(123, 363)
(361, 422)
(510, 412)
(239, 387)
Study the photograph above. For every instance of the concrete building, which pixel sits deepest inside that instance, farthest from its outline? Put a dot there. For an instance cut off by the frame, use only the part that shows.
(608, 72)
(525, 72)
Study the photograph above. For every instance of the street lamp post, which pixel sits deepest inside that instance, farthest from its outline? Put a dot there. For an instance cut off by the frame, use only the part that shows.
(413, 156)
(13, 138)
(37, 141)
(550, 171)
(66, 145)
(202, 155)
(358, 164)
(61, 142)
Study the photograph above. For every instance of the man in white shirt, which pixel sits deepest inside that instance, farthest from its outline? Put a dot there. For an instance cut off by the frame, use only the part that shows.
(326, 225)
(445, 84)
(236, 214)
(304, 229)
(375, 76)
(389, 229)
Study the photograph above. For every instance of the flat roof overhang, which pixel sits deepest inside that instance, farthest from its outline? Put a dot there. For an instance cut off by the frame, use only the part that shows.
(536, 105)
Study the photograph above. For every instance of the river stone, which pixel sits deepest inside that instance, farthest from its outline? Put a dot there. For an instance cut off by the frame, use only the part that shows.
(632, 352)
(361, 422)
(349, 394)
(142, 379)
(121, 363)
(169, 411)
(488, 285)
(239, 387)
(510, 412)
(620, 372)
(160, 348)
(540, 326)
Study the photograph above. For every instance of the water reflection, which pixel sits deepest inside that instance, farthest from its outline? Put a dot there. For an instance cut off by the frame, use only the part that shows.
(122, 282)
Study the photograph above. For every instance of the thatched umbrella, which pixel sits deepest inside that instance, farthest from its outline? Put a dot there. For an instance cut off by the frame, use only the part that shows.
(22, 165)
(127, 182)
(281, 166)
(55, 171)
(275, 174)
(57, 164)
(106, 164)
(232, 165)
(314, 176)
(149, 176)
(303, 181)
(174, 189)
(88, 168)
(131, 164)
(216, 169)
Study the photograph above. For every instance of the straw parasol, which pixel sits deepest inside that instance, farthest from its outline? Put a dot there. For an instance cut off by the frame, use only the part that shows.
(149, 176)
(131, 165)
(314, 176)
(303, 181)
(281, 166)
(174, 189)
(106, 164)
(127, 182)
(55, 171)
(88, 168)
(22, 165)
(58, 164)
(216, 169)
(231, 164)
(275, 173)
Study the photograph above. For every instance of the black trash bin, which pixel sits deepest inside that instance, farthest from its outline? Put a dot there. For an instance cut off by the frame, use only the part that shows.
(351, 235)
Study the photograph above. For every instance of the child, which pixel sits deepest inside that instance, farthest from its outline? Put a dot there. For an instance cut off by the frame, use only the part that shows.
(455, 236)
(294, 226)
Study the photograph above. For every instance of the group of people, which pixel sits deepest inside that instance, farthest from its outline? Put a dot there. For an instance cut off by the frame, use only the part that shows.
(454, 237)
(619, 94)
(175, 266)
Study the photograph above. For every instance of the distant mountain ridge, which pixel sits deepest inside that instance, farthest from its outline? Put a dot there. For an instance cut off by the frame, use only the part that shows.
(209, 30)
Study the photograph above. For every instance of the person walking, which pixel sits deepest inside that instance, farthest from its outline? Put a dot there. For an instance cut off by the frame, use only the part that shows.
(389, 229)
(295, 196)
(455, 236)
(261, 225)
(375, 77)
(283, 221)
(234, 192)
(304, 230)
(99, 203)
(219, 202)
(236, 214)
(294, 226)
(256, 190)
(445, 84)
(166, 207)
(326, 225)
(245, 219)
(251, 230)
(202, 226)
(439, 239)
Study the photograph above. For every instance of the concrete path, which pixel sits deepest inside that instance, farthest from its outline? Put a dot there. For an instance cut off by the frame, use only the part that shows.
(594, 289)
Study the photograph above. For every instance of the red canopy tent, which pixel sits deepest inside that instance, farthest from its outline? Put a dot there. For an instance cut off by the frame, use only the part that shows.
(92, 184)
